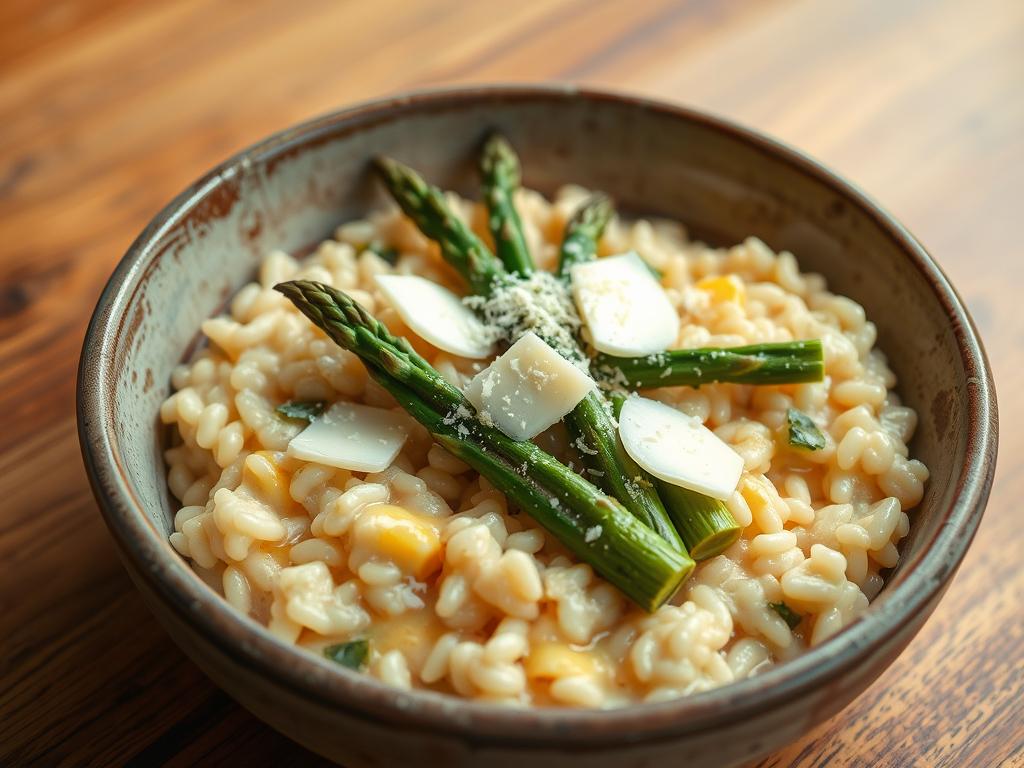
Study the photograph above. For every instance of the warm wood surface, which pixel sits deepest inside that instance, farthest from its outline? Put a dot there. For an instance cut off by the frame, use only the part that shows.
(108, 108)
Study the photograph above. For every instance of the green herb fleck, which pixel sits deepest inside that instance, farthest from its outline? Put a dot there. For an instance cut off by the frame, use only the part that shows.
(301, 410)
(791, 617)
(804, 433)
(386, 252)
(351, 654)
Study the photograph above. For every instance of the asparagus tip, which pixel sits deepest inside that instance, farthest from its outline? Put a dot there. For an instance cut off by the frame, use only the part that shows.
(497, 148)
(496, 141)
(289, 288)
(595, 211)
(391, 171)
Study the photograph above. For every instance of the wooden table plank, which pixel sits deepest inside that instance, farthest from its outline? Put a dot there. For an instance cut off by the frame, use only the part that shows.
(109, 108)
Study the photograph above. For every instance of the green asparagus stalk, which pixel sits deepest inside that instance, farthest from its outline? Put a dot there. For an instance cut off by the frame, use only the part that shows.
(499, 167)
(590, 422)
(596, 437)
(590, 425)
(591, 524)
(582, 233)
(705, 525)
(790, 362)
(426, 206)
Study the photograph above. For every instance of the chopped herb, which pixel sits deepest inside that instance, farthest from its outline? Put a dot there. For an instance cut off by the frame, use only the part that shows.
(351, 654)
(791, 617)
(301, 410)
(804, 433)
(386, 252)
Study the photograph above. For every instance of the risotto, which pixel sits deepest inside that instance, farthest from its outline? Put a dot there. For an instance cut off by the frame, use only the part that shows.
(426, 575)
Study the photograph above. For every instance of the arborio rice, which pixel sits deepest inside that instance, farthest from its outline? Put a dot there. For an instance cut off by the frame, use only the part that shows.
(476, 599)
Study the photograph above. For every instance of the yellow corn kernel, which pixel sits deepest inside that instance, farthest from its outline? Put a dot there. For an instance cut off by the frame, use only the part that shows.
(754, 494)
(263, 475)
(405, 539)
(413, 633)
(724, 288)
(557, 660)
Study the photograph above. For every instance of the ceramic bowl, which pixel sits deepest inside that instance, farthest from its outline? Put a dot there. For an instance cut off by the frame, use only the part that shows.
(725, 182)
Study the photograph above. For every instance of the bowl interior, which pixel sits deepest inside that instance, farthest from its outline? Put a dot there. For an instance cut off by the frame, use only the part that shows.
(724, 184)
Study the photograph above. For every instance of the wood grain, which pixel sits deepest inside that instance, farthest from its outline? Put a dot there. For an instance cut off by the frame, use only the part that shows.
(109, 108)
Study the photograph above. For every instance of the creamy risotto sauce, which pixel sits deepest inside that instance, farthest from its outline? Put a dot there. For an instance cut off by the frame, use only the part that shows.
(456, 591)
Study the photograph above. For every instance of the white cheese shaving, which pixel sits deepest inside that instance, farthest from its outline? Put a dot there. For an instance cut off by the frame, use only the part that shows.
(625, 309)
(351, 436)
(437, 315)
(527, 389)
(678, 448)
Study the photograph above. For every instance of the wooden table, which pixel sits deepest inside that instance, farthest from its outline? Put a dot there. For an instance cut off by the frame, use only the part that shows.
(108, 108)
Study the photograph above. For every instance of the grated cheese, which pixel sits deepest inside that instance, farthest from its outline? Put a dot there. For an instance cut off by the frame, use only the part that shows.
(538, 304)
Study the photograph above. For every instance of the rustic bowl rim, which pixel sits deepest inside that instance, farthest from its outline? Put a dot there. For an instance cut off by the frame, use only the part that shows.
(167, 574)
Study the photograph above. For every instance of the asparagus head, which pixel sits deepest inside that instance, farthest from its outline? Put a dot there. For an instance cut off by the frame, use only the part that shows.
(499, 167)
(583, 232)
(427, 208)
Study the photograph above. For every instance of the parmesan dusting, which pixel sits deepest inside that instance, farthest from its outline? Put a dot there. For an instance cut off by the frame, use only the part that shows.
(583, 447)
(539, 303)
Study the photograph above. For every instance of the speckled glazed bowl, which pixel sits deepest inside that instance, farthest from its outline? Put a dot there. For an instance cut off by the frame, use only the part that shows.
(725, 183)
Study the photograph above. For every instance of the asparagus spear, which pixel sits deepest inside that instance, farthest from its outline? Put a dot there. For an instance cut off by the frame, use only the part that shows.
(583, 232)
(355, 329)
(499, 167)
(426, 206)
(590, 424)
(589, 421)
(594, 432)
(790, 362)
(591, 524)
(704, 525)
